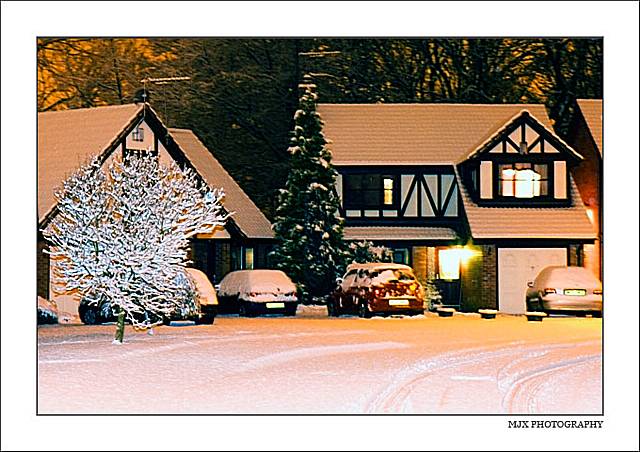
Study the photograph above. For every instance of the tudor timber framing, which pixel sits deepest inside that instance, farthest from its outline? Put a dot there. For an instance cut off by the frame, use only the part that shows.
(438, 200)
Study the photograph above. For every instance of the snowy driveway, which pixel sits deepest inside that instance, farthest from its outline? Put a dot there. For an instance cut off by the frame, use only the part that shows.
(314, 364)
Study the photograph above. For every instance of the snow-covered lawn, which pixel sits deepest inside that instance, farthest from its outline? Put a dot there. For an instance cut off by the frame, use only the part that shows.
(315, 364)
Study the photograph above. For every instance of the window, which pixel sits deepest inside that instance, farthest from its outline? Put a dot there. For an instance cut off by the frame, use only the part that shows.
(523, 180)
(248, 258)
(138, 134)
(388, 191)
(370, 191)
(401, 256)
(449, 263)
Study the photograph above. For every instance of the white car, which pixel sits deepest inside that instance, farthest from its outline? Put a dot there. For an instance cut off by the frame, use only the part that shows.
(251, 292)
(565, 289)
(205, 295)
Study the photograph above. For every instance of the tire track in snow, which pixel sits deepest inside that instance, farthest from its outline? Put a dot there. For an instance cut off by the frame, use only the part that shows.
(313, 352)
(394, 398)
(150, 349)
(520, 394)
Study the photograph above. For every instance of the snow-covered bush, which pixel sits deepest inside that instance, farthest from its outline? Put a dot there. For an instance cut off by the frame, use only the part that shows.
(432, 296)
(364, 251)
(121, 235)
(308, 229)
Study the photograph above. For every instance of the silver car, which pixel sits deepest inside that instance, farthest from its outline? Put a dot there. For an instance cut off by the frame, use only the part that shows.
(565, 289)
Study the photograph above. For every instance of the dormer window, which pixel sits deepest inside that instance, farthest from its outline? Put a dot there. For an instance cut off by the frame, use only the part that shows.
(523, 180)
(138, 134)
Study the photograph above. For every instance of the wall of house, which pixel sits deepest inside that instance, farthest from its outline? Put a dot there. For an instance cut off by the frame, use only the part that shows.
(479, 279)
(42, 271)
(588, 178)
(419, 263)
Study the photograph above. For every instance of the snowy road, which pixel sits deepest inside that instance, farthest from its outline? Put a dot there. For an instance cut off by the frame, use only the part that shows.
(315, 364)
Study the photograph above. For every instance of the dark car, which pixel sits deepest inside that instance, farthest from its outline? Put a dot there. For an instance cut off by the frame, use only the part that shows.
(385, 288)
(562, 289)
(204, 311)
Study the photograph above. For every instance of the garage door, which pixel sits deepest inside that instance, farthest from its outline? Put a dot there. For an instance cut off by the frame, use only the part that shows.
(517, 266)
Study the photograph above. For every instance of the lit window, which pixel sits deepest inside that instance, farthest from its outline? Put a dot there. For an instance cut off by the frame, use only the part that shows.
(449, 263)
(523, 180)
(388, 191)
(138, 134)
(248, 258)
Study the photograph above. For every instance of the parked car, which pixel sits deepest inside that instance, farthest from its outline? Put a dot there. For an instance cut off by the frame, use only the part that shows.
(206, 305)
(251, 292)
(565, 289)
(367, 289)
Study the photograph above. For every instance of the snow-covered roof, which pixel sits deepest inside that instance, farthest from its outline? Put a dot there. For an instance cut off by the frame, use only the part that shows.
(70, 138)
(528, 222)
(398, 233)
(247, 216)
(592, 112)
(415, 134)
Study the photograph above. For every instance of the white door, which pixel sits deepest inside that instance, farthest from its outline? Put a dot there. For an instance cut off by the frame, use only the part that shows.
(517, 266)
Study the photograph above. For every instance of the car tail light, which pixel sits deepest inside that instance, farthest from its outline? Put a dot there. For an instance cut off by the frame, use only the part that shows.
(597, 291)
(549, 290)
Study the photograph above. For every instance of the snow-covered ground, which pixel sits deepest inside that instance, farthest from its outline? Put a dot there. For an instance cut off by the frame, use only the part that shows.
(315, 364)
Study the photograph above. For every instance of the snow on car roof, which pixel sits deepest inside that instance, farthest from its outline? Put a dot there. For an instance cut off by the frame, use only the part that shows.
(559, 274)
(378, 266)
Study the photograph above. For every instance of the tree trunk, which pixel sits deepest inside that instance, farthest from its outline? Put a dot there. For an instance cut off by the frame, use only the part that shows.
(120, 328)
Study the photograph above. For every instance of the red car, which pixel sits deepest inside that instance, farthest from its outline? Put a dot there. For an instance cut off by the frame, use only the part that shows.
(367, 289)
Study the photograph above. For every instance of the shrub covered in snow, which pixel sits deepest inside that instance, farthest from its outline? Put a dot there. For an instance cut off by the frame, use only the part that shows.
(121, 235)
(308, 229)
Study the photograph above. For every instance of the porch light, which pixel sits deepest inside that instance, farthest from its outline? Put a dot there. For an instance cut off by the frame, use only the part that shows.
(451, 259)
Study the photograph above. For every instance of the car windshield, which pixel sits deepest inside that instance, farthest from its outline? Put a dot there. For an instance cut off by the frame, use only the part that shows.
(391, 275)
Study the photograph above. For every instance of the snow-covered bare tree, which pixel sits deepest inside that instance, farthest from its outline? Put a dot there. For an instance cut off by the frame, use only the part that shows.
(121, 236)
(307, 226)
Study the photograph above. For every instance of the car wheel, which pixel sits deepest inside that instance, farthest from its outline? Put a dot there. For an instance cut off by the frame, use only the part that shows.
(206, 319)
(90, 315)
(166, 321)
(291, 310)
(597, 314)
(242, 308)
(363, 310)
(246, 309)
(332, 308)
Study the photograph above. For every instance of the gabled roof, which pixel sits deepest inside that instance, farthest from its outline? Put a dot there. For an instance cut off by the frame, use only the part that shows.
(528, 222)
(524, 117)
(70, 138)
(592, 112)
(247, 217)
(415, 134)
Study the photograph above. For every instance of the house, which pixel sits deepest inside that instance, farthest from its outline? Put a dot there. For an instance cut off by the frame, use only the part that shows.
(477, 198)
(70, 138)
(585, 135)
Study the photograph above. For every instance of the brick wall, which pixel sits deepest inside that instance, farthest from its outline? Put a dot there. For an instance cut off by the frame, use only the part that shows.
(478, 279)
(42, 271)
(588, 177)
(419, 263)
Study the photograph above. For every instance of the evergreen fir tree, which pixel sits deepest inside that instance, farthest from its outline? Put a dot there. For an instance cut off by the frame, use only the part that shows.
(307, 225)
